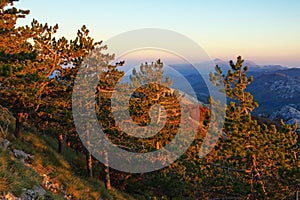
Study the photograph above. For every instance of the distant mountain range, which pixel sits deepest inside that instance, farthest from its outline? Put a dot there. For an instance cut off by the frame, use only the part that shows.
(251, 65)
(274, 87)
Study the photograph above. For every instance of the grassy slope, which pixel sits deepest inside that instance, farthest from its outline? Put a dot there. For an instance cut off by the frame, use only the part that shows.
(67, 169)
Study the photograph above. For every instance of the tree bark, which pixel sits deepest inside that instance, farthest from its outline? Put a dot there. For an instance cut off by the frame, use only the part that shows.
(89, 164)
(254, 164)
(60, 143)
(89, 159)
(159, 115)
(18, 130)
(106, 172)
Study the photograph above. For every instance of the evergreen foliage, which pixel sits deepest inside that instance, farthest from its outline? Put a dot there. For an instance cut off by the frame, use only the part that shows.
(37, 75)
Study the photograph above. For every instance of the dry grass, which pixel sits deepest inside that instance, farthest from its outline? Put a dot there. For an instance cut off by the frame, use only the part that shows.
(66, 169)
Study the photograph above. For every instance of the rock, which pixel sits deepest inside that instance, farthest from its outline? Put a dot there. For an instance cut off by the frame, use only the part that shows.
(39, 190)
(22, 155)
(29, 195)
(34, 193)
(5, 144)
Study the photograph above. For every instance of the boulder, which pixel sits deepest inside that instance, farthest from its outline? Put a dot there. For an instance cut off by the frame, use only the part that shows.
(39, 190)
(22, 155)
(29, 195)
(34, 193)
(5, 144)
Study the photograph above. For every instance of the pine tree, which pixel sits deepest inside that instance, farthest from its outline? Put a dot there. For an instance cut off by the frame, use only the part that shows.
(96, 68)
(151, 86)
(15, 51)
(253, 155)
(13, 41)
(27, 80)
(55, 100)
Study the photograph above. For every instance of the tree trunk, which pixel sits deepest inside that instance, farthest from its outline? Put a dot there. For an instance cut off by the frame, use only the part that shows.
(60, 143)
(89, 164)
(106, 172)
(77, 149)
(254, 164)
(18, 130)
(89, 159)
(159, 114)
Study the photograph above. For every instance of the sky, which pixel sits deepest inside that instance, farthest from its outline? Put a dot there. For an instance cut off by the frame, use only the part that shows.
(265, 32)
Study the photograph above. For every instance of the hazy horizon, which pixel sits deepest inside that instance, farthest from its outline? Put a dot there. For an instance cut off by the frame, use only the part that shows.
(265, 32)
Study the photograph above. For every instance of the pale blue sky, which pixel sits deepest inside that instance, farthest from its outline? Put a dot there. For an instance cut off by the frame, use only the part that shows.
(266, 32)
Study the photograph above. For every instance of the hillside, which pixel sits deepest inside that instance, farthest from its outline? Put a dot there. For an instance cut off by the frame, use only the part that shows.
(31, 168)
(276, 89)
